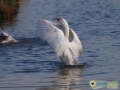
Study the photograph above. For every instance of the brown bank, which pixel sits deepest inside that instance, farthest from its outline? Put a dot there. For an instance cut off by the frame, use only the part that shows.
(8, 8)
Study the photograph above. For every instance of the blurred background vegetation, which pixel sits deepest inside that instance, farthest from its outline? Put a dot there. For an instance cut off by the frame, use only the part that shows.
(8, 8)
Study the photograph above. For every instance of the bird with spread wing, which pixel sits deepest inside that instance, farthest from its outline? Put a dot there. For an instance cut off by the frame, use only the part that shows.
(62, 39)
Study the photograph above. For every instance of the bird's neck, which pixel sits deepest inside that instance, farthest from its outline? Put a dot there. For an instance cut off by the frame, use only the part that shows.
(66, 30)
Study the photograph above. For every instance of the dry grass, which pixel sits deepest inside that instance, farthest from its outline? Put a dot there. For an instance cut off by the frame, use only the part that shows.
(8, 8)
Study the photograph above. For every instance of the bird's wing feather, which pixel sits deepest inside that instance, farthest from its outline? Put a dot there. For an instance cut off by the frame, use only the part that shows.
(58, 25)
(53, 35)
(75, 42)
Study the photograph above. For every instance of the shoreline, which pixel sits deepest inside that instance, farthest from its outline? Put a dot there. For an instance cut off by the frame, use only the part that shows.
(8, 8)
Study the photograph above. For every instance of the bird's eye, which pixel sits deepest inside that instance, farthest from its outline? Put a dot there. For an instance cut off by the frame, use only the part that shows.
(61, 19)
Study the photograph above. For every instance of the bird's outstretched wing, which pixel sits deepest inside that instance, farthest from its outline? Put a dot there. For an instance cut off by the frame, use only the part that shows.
(75, 40)
(58, 25)
(52, 34)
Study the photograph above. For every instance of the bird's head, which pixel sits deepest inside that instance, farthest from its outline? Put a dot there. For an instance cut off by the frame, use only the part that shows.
(61, 20)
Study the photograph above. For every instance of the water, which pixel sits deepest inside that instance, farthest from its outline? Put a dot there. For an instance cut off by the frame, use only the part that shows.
(31, 64)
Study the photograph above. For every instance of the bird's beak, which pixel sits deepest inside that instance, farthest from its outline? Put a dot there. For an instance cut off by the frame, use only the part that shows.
(58, 19)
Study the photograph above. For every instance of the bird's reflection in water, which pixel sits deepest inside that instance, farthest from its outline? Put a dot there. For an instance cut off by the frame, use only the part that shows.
(69, 76)
(69, 79)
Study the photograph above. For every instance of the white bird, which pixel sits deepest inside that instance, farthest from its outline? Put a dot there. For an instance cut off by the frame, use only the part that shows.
(6, 38)
(62, 39)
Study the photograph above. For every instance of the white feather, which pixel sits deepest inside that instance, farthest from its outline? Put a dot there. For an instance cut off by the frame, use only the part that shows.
(53, 35)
